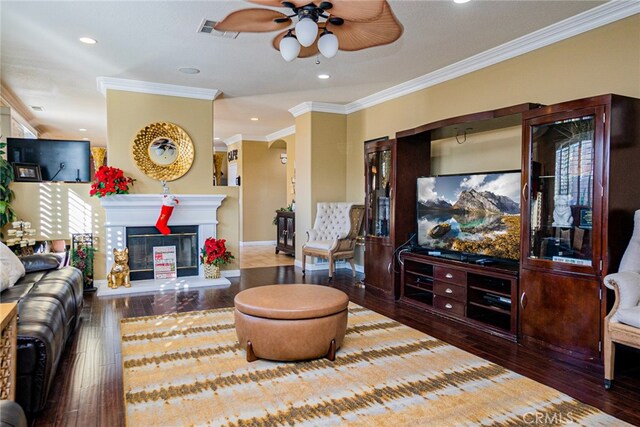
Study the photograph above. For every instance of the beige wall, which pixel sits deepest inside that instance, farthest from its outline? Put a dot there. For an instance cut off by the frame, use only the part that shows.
(605, 60)
(291, 166)
(58, 210)
(128, 112)
(263, 189)
(321, 167)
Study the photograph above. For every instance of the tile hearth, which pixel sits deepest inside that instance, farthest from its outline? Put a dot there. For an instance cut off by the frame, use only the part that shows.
(158, 286)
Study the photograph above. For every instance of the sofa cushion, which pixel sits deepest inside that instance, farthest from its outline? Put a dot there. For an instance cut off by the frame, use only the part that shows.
(12, 265)
(39, 262)
(629, 316)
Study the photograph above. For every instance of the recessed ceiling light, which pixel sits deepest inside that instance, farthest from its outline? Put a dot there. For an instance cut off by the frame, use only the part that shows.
(87, 40)
(86, 139)
(216, 139)
(460, 1)
(189, 70)
(82, 130)
(324, 76)
(254, 119)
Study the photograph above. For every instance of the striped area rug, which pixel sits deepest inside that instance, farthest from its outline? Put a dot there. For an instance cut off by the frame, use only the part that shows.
(188, 369)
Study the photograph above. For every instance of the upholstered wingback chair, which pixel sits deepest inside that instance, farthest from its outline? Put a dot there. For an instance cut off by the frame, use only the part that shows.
(622, 324)
(334, 234)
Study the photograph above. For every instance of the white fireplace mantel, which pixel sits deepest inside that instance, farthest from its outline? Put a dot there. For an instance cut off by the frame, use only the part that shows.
(140, 210)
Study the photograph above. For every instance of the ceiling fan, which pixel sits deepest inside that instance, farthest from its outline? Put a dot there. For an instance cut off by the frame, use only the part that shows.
(322, 27)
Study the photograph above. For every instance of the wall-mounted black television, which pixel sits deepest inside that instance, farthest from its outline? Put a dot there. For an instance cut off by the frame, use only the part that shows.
(474, 217)
(59, 160)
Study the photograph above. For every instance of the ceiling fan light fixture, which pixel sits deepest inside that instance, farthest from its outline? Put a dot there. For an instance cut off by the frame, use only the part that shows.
(328, 44)
(306, 30)
(289, 47)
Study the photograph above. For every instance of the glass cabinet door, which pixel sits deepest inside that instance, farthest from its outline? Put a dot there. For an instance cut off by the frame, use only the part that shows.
(561, 201)
(378, 185)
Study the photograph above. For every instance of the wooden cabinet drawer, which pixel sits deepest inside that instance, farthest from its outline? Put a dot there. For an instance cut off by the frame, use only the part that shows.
(456, 292)
(450, 275)
(449, 305)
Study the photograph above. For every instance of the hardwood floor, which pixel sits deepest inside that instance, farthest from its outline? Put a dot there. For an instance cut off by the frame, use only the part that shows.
(87, 390)
(263, 256)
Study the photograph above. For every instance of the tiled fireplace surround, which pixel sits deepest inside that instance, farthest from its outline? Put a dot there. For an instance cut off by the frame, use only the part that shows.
(139, 210)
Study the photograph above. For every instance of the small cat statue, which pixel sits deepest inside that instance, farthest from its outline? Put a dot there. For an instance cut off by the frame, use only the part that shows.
(119, 275)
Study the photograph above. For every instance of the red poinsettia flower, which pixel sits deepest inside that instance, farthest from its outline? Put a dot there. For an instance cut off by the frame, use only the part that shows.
(215, 252)
(110, 181)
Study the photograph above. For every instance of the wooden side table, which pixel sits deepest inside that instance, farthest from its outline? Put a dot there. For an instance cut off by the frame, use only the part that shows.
(8, 344)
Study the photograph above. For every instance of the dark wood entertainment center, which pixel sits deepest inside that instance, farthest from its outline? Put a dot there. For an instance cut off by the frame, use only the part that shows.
(580, 163)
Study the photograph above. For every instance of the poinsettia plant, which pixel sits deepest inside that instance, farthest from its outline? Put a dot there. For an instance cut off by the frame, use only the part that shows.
(215, 252)
(110, 181)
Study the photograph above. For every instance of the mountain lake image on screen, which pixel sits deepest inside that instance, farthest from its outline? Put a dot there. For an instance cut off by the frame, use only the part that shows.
(473, 214)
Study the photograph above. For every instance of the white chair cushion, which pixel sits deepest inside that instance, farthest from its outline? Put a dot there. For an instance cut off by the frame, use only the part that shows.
(631, 258)
(12, 267)
(629, 316)
(324, 245)
(332, 220)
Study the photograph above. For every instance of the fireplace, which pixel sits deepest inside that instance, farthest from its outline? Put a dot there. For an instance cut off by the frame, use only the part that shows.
(125, 211)
(142, 240)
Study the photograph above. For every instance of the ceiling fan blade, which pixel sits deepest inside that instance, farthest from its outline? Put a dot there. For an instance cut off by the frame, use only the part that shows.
(253, 20)
(358, 11)
(305, 52)
(361, 35)
(278, 3)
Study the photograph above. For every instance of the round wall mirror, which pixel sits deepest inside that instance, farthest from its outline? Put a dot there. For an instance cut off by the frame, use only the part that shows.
(163, 151)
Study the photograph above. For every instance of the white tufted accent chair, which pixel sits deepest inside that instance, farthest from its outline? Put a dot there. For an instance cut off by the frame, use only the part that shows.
(622, 324)
(334, 233)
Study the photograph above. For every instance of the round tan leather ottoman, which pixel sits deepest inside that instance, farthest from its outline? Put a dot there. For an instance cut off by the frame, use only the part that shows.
(291, 322)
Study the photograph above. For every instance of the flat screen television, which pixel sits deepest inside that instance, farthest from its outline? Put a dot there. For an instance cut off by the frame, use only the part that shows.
(476, 216)
(59, 160)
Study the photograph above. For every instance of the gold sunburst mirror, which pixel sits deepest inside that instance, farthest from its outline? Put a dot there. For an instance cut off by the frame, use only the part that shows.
(163, 151)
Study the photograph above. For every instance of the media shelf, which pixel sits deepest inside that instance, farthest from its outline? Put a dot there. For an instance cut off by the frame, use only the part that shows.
(479, 295)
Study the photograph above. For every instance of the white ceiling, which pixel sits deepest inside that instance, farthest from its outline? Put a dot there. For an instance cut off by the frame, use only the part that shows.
(44, 64)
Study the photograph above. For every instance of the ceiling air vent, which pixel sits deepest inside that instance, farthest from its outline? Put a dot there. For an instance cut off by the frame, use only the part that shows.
(37, 108)
(207, 27)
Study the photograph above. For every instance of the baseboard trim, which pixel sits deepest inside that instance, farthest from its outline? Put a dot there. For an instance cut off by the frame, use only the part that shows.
(325, 266)
(258, 243)
(230, 273)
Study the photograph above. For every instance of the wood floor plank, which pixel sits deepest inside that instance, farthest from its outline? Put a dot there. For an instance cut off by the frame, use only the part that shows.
(88, 383)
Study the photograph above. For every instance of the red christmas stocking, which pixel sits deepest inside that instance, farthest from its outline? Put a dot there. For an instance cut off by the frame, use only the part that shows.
(165, 214)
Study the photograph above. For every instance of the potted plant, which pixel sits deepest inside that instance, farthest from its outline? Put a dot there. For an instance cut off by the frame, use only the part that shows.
(110, 181)
(7, 213)
(213, 255)
(82, 259)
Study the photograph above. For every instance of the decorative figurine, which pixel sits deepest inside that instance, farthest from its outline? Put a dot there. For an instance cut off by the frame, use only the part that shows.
(119, 275)
(562, 212)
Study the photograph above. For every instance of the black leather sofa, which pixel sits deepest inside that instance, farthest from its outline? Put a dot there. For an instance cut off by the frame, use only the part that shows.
(49, 301)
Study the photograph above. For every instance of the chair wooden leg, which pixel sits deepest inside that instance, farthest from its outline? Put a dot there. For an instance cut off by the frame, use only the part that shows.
(353, 266)
(609, 358)
(331, 267)
(304, 262)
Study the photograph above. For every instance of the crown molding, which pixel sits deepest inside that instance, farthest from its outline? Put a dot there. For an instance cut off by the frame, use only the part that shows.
(599, 16)
(254, 138)
(281, 133)
(139, 86)
(240, 137)
(232, 139)
(220, 146)
(318, 107)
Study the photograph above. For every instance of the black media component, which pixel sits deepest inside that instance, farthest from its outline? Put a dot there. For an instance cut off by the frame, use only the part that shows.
(59, 160)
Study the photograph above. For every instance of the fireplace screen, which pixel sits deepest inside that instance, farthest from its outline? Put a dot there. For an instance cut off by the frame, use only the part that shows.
(141, 241)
